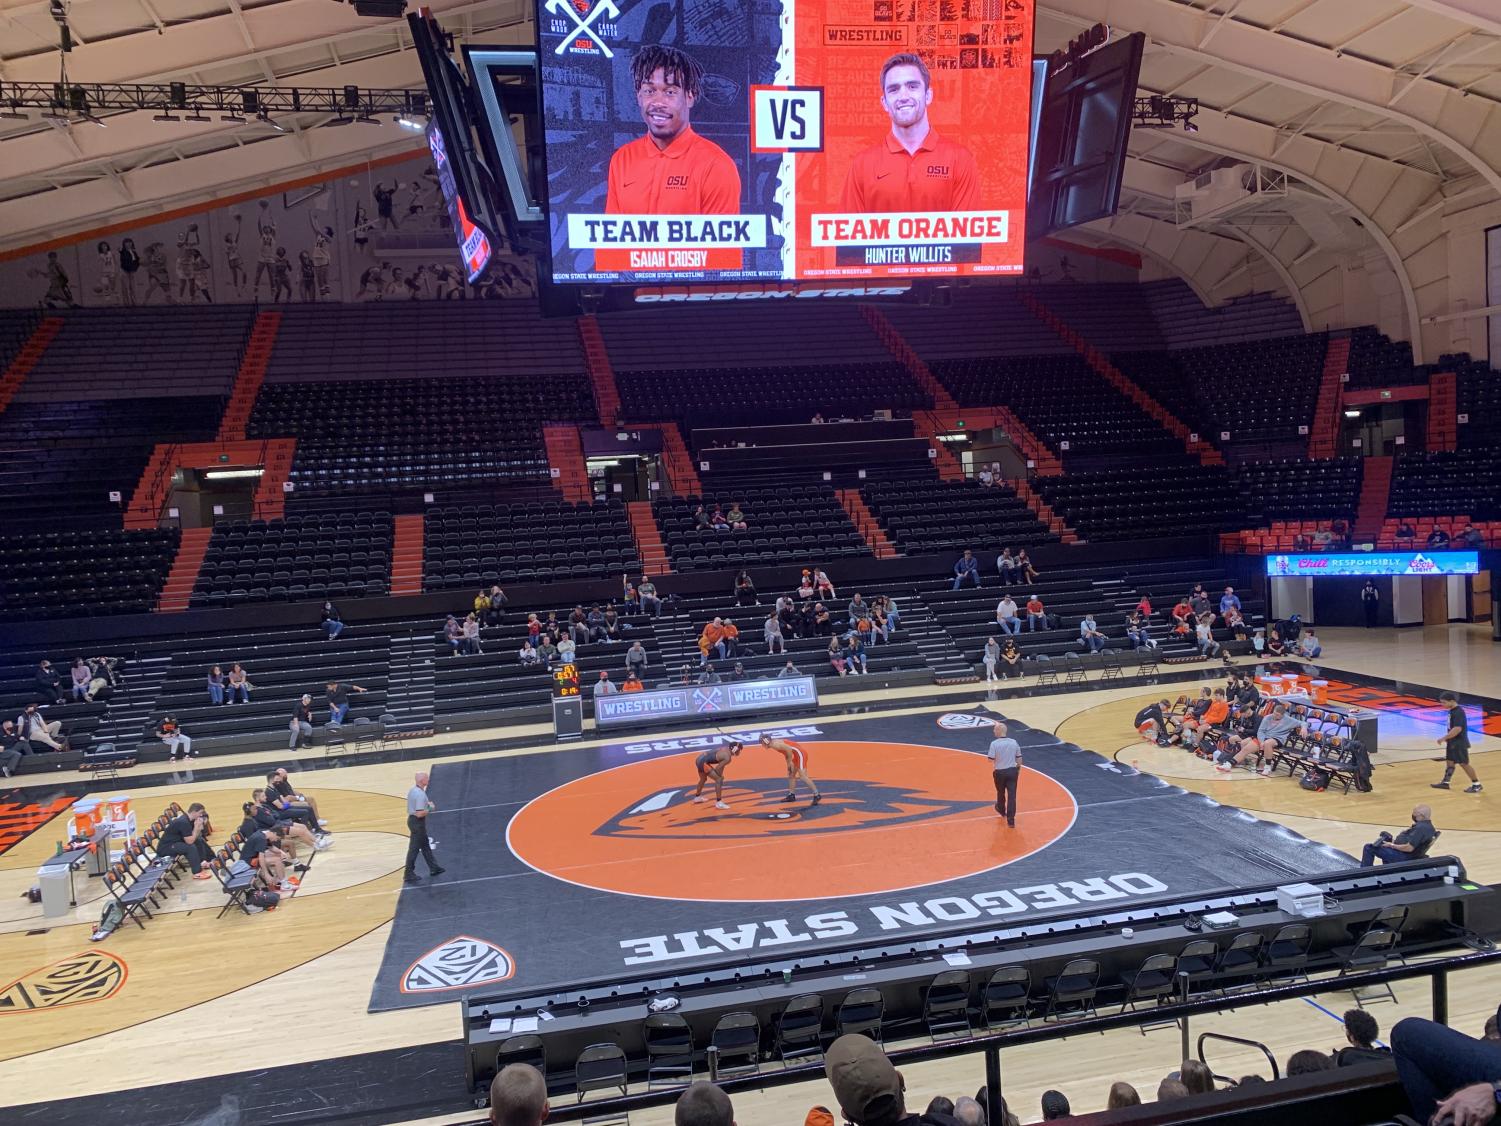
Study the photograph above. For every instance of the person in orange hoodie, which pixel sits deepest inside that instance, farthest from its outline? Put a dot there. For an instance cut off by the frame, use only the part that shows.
(729, 641)
(709, 639)
(1214, 716)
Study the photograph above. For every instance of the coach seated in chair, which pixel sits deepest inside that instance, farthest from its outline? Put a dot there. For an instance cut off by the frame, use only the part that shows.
(1410, 844)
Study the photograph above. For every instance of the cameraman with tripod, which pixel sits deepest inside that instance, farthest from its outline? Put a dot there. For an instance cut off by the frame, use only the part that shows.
(1413, 841)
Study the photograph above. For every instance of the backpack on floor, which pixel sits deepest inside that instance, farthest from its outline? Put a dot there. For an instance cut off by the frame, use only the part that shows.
(109, 919)
(263, 897)
(1316, 780)
(1360, 759)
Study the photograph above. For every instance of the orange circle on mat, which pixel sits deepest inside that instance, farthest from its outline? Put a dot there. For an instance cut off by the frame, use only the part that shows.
(893, 816)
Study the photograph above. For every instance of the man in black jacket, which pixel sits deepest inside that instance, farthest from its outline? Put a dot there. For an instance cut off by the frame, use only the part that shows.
(47, 684)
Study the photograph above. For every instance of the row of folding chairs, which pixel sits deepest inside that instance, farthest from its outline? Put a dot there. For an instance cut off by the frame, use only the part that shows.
(140, 880)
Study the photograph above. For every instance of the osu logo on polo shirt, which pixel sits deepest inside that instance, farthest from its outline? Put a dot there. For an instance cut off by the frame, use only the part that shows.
(940, 176)
(893, 816)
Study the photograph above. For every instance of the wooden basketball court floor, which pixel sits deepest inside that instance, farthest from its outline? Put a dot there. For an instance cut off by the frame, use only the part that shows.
(192, 999)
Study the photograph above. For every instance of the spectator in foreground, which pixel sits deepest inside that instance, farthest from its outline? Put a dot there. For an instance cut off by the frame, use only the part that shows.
(1361, 1031)
(333, 621)
(646, 591)
(1307, 1062)
(518, 1096)
(867, 1087)
(702, 1104)
(969, 1112)
(789, 669)
(966, 569)
(636, 659)
(1005, 615)
(1443, 1071)
(1055, 1106)
(1122, 1095)
(1171, 1090)
(216, 685)
(1197, 1077)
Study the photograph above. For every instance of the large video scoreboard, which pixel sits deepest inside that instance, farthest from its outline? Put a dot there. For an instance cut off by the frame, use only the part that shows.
(713, 140)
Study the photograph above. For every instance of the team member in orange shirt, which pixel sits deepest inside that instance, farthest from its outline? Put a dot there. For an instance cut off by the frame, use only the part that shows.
(671, 170)
(912, 168)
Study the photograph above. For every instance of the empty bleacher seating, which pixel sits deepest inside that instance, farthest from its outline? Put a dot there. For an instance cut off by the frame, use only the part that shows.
(1479, 401)
(1301, 488)
(1462, 483)
(1164, 500)
(296, 558)
(786, 524)
(78, 574)
(537, 541)
(1376, 361)
(928, 516)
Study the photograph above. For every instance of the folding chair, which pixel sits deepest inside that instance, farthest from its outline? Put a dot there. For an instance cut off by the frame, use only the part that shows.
(1005, 999)
(946, 1005)
(862, 1011)
(669, 1050)
(736, 1041)
(600, 1067)
(800, 1028)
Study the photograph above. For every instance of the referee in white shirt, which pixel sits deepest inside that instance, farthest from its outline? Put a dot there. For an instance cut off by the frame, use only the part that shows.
(419, 805)
(1006, 754)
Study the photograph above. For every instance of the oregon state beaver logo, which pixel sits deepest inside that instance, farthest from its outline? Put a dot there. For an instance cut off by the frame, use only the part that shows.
(892, 816)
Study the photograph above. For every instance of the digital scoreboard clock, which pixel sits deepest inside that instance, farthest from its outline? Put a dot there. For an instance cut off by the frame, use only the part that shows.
(566, 680)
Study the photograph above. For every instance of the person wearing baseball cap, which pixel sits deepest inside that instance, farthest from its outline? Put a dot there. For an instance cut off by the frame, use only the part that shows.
(868, 1089)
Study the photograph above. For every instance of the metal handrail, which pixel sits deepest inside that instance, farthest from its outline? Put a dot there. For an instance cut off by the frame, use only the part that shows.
(991, 1044)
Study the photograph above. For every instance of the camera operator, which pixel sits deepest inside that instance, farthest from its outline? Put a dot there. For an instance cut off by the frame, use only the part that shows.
(1413, 840)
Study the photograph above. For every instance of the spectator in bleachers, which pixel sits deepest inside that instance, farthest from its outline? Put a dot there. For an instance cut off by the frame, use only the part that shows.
(1406, 534)
(1308, 644)
(80, 676)
(1228, 601)
(738, 672)
(717, 520)
(1182, 615)
(547, 652)
(1025, 572)
(1471, 537)
(990, 656)
(858, 610)
(1137, 632)
(1198, 599)
(837, 657)
(823, 621)
(604, 686)
(1438, 538)
(1122, 1095)
(1275, 645)
(789, 669)
(1005, 565)
(47, 684)
(1055, 1106)
(968, 1111)
(646, 591)
(1361, 1031)
(527, 654)
(736, 517)
(893, 614)
(632, 683)
(35, 728)
(1005, 615)
(1204, 637)
(966, 569)
(1037, 615)
(612, 623)
(533, 628)
(744, 589)
(495, 612)
(301, 723)
(101, 678)
(567, 650)
(338, 699)
(1235, 622)
(854, 657)
(578, 626)
(877, 620)
(1089, 633)
(700, 519)
(1307, 1062)
(771, 630)
(708, 640)
(1171, 1090)
(333, 621)
(596, 624)
(470, 643)
(985, 476)
(628, 596)
(823, 586)
(216, 685)
(453, 633)
(636, 659)
(176, 739)
(1197, 1077)
(184, 837)
(1011, 659)
(709, 675)
(13, 748)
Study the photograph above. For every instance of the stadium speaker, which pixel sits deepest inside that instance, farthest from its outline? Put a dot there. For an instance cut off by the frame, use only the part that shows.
(380, 9)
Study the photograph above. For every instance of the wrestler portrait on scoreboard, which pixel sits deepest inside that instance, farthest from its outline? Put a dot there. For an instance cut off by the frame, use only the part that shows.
(912, 168)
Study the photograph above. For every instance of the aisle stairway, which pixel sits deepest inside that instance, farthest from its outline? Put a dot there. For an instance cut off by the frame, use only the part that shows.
(565, 461)
(648, 538)
(251, 374)
(406, 555)
(178, 588)
(1323, 435)
(1443, 411)
(1375, 492)
(865, 520)
(601, 373)
(132, 709)
(27, 358)
(897, 345)
(410, 693)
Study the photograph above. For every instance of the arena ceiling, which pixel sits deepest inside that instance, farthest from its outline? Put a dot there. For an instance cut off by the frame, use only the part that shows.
(1383, 115)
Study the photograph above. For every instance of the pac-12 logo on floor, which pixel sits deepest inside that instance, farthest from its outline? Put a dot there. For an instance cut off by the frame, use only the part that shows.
(459, 963)
(965, 721)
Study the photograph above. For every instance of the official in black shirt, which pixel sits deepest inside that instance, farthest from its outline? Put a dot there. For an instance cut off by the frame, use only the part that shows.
(1411, 842)
(1456, 744)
